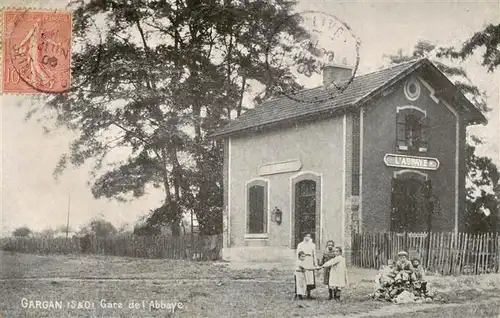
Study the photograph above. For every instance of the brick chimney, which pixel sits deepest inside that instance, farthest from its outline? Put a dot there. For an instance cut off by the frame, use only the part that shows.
(337, 74)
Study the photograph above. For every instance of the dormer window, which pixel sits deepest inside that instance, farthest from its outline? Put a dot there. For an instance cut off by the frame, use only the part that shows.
(412, 130)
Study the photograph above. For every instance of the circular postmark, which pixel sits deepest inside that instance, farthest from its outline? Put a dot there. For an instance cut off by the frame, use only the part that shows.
(38, 51)
(323, 52)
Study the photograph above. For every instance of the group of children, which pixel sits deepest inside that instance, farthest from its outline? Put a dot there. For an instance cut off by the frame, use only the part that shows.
(396, 277)
(333, 263)
(391, 281)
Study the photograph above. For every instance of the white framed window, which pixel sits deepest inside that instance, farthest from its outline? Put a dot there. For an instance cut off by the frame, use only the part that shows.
(257, 209)
(412, 130)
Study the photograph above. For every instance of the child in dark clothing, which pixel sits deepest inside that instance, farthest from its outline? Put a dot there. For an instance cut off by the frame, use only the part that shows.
(418, 270)
(418, 276)
(328, 255)
(404, 268)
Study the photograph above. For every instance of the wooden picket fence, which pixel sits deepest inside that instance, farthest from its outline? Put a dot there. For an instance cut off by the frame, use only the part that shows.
(173, 247)
(439, 253)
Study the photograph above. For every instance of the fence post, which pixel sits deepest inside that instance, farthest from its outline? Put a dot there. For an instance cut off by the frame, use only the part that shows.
(406, 242)
(387, 244)
(461, 253)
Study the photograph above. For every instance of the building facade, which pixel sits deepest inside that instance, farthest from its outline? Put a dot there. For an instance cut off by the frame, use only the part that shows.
(385, 154)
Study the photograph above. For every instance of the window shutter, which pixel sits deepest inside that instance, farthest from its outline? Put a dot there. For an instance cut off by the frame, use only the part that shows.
(256, 210)
(424, 135)
(401, 131)
(260, 210)
(251, 209)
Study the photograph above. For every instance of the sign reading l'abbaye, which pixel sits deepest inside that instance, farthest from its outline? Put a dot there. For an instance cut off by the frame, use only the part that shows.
(401, 161)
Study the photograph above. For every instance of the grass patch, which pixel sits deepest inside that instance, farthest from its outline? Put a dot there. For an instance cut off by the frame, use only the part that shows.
(207, 299)
(212, 299)
(469, 310)
(208, 289)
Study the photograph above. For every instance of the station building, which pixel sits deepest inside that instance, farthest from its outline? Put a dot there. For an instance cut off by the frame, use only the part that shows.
(385, 154)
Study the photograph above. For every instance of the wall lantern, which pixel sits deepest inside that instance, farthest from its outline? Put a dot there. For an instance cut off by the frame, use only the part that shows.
(277, 215)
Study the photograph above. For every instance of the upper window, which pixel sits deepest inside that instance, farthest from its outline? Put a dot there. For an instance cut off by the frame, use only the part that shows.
(412, 89)
(412, 130)
(257, 207)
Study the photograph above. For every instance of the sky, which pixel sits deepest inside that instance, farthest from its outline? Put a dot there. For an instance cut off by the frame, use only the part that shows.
(31, 196)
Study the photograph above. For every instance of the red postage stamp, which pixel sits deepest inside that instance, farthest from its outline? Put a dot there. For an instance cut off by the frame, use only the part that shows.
(36, 51)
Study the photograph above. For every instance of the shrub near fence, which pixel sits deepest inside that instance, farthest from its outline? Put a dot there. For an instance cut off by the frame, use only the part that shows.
(180, 247)
(442, 253)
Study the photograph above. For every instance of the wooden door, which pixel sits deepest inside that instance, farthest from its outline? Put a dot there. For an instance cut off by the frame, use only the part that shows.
(305, 210)
(409, 210)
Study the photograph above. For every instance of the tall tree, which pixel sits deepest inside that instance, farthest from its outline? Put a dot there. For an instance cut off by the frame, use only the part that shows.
(487, 38)
(169, 72)
(482, 174)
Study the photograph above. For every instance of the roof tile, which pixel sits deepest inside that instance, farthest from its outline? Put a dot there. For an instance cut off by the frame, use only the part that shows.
(285, 108)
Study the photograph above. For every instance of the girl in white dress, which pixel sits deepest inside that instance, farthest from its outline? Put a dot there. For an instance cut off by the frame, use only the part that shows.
(301, 268)
(338, 272)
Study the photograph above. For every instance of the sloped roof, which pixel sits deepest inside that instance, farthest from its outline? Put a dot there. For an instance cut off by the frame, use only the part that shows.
(361, 89)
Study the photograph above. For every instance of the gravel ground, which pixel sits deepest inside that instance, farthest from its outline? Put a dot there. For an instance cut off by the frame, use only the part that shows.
(164, 288)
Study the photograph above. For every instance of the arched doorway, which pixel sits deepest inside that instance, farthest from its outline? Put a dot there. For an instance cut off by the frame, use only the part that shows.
(306, 208)
(410, 211)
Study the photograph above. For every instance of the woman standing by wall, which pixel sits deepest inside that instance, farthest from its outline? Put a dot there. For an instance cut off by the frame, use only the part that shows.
(309, 249)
